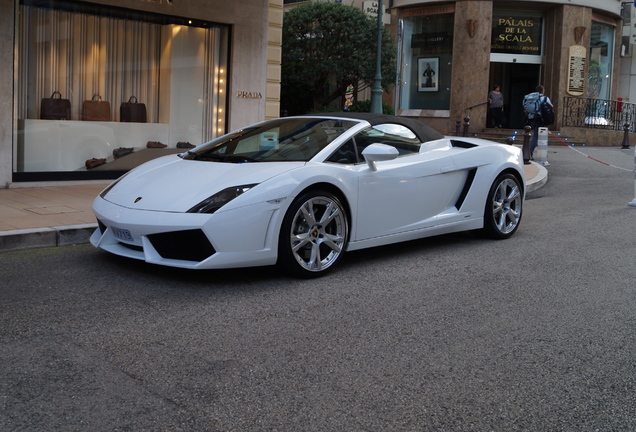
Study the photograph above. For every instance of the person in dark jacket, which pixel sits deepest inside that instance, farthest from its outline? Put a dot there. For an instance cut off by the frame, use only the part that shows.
(495, 99)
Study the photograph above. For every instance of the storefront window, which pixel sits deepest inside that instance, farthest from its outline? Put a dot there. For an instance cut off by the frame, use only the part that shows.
(113, 86)
(426, 67)
(601, 61)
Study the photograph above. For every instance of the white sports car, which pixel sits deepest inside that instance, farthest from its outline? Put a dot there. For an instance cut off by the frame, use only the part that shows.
(301, 191)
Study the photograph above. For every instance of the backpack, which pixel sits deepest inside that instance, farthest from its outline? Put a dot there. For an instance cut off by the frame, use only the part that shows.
(531, 104)
(547, 112)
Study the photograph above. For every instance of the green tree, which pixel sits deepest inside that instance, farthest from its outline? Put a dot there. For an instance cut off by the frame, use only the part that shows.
(326, 47)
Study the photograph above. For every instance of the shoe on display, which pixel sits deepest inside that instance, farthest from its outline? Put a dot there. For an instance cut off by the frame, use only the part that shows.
(155, 144)
(122, 151)
(94, 162)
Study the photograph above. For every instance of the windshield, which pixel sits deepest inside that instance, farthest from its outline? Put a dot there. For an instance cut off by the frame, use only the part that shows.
(280, 140)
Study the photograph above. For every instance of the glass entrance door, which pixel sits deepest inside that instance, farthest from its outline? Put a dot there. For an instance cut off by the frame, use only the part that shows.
(516, 81)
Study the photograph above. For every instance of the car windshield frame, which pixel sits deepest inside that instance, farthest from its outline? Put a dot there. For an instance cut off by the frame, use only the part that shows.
(297, 139)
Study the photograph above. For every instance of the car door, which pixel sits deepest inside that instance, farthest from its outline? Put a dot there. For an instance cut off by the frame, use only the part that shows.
(406, 193)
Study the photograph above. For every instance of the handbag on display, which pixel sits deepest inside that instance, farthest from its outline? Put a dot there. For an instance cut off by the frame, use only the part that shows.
(132, 111)
(55, 108)
(96, 109)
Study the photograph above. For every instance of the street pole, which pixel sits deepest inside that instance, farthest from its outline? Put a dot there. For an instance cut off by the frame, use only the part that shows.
(398, 69)
(633, 203)
(376, 91)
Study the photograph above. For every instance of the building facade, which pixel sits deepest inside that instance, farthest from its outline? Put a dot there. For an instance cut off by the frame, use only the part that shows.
(77, 75)
(90, 89)
(627, 82)
(453, 53)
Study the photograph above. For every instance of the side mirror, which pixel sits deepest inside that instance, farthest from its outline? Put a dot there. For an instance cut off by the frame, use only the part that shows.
(379, 152)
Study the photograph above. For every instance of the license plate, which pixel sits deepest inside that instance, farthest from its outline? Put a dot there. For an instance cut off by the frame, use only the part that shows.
(122, 234)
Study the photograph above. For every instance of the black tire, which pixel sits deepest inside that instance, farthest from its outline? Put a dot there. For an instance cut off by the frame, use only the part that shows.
(504, 203)
(314, 234)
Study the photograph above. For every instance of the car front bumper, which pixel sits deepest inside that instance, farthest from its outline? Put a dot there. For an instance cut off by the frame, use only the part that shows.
(243, 237)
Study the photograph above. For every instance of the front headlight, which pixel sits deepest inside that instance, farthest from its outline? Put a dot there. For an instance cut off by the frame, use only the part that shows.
(219, 199)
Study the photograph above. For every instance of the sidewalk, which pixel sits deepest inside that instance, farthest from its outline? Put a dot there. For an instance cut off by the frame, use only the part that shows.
(47, 216)
(61, 215)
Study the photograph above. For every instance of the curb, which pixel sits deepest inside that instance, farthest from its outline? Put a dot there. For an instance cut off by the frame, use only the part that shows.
(538, 180)
(45, 237)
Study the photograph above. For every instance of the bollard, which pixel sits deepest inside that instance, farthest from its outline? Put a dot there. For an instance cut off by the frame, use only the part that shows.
(526, 145)
(542, 147)
(625, 144)
(466, 124)
(633, 203)
(458, 125)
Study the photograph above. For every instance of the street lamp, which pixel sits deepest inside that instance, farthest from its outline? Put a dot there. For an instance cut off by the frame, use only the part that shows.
(376, 91)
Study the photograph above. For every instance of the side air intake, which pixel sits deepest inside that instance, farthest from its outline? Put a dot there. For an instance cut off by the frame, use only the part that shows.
(462, 144)
(469, 182)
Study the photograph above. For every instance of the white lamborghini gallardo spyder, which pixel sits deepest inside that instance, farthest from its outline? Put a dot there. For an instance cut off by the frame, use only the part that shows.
(301, 191)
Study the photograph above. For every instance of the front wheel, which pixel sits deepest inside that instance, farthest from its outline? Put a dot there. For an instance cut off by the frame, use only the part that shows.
(503, 207)
(313, 235)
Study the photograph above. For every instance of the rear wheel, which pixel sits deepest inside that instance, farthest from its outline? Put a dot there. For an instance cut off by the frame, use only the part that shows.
(314, 234)
(503, 207)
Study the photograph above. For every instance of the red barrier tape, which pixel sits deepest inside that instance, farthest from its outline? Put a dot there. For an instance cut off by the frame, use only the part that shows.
(588, 156)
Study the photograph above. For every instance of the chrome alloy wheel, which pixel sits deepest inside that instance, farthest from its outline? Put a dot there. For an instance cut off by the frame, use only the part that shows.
(506, 206)
(318, 233)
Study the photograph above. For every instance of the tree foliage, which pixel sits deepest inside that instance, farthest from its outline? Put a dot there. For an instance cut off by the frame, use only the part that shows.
(326, 47)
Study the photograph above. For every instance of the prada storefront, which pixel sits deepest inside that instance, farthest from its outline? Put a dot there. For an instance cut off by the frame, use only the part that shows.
(452, 54)
(99, 87)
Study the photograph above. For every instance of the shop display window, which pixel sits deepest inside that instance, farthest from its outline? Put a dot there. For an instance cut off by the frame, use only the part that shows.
(427, 45)
(599, 82)
(102, 89)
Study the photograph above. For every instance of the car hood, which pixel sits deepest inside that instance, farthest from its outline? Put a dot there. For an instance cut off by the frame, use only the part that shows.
(173, 184)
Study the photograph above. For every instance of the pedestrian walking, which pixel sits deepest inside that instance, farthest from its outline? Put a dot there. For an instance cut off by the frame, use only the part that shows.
(532, 105)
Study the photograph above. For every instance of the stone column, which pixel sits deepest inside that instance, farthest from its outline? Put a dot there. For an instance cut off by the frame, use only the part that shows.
(565, 26)
(7, 29)
(274, 53)
(471, 62)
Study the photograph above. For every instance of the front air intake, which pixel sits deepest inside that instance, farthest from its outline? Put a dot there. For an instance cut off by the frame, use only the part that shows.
(190, 245)
(102, 227)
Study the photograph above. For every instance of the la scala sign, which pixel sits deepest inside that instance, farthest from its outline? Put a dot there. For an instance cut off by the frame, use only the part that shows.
(371, 9)
(516, 35)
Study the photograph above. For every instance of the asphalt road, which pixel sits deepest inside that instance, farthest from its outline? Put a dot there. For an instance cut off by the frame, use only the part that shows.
(455, 333)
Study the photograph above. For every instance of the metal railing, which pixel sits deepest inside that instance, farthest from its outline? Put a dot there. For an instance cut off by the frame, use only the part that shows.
(474, 106)
(599, 114)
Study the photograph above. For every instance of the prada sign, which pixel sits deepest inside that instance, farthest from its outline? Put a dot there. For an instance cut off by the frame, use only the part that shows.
(249, 95)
